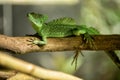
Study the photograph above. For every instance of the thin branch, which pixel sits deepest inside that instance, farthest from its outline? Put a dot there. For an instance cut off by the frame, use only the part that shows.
(21, 44)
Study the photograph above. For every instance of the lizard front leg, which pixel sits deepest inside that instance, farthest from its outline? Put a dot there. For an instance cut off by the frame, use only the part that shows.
(38, 42)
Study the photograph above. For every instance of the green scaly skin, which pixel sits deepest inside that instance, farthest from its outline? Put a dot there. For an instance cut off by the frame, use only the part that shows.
(62, 27)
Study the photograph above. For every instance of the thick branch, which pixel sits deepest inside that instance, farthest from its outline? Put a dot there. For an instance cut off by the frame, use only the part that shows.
(14, 75)
(21, 44)
(6, 73)
(36, 71)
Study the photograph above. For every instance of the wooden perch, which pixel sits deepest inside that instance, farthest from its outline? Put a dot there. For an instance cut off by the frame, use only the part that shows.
(22, 45)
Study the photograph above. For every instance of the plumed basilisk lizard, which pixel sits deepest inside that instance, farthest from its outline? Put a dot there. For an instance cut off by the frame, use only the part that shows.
(64, 27)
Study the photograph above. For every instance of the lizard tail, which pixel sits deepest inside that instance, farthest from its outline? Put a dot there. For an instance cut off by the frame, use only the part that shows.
(114, 57)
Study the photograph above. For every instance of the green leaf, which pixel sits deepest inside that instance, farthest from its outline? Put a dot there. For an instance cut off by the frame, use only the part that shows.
(64, 20)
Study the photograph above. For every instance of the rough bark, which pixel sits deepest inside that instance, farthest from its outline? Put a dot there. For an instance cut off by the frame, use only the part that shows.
(22, 44)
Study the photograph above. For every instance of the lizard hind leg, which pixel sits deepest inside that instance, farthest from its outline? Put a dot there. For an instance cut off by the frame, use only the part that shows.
(77, 52)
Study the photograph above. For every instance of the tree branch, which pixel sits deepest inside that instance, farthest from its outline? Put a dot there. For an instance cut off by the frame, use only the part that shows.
(21, 44)
(7, 74)
(31, 69)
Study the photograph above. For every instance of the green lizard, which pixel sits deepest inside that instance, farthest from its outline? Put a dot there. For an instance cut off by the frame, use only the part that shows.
(62, 27)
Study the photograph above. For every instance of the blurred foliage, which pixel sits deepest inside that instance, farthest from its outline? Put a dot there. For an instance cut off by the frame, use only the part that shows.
(102, 14)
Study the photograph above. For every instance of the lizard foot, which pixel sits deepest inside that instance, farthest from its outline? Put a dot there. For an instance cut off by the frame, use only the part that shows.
(31, 40)
(35, 41)
(75, 58)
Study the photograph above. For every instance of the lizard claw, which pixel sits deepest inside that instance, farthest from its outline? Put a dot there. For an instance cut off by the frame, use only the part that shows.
(36, 42)
(75, 58)
(31, 40)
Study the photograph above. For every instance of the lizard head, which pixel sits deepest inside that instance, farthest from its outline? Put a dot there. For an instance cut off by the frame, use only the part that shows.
(37, 20)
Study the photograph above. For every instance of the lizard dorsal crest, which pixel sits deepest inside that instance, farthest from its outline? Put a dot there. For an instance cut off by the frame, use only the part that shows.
(64, 20)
